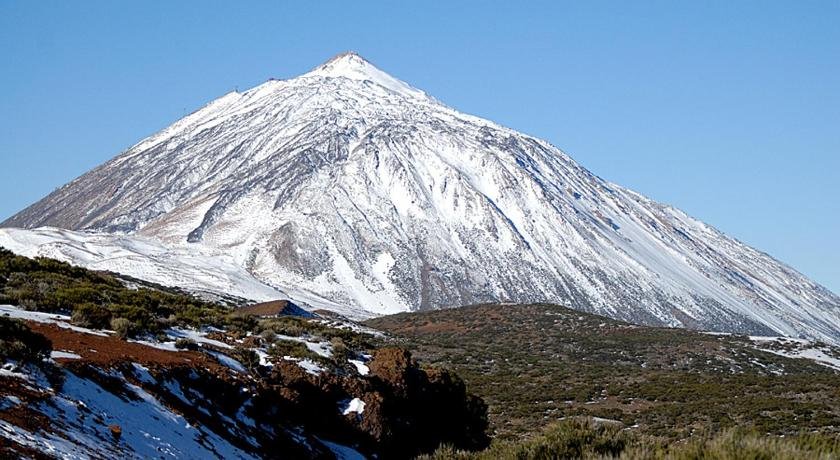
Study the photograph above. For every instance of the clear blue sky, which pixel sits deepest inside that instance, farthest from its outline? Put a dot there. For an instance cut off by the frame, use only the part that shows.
(728, 110)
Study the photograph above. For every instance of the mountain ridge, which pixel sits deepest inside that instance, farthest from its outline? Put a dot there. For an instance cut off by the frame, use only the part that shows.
(350, 184)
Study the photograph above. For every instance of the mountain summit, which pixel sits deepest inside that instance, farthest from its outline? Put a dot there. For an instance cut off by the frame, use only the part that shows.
(349, 185)
(351, 65)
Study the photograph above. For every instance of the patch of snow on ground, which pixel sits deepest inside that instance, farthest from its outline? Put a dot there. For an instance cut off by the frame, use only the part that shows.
(8, 402)
(229, 362)
(47, 443)
(166, 346)
(310, 366)
(149, 428)
(264, 357)
(58, 354)
(306, 364)
(355, 327)
(11, 370)
(196, 336)
(355, 405)
(361, 367)
(142, 374)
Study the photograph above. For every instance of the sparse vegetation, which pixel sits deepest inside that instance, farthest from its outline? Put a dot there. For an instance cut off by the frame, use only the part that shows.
(94, 299)
(582, 439)
(667, 393)
(295, 326)
(290, 348)
(535, 364)
(248, 358)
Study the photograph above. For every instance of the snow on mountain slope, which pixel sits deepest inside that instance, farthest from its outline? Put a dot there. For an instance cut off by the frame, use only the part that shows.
(349, 185)
(200, 270)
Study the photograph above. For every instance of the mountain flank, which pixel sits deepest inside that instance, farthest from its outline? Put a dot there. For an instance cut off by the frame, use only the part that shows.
(347, 189)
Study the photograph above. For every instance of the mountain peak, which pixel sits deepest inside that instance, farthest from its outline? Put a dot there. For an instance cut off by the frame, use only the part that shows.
(352, 66)
(346, 58)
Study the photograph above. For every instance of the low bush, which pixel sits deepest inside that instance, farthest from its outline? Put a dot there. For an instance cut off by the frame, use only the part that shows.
(535, 364)
(19, 343)
(186, 344)
(340, 352)
(122, 327)
(94, 298)
(582, 439)
(249, 358)
(291, 348)
(91, 316)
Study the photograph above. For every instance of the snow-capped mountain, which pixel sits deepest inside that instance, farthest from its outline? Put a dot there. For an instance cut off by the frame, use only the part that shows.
(354, 187)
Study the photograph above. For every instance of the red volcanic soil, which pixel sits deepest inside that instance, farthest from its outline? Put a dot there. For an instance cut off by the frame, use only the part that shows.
(107, 350)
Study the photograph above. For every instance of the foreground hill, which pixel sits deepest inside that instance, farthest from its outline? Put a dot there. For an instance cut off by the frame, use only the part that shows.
(345, 186)
(537, 364)
(96, 366)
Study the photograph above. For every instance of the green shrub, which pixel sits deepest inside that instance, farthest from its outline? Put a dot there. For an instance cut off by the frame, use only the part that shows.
(122, 327)
(341, 353)
(91, 316)
(240, 324)
(291, 348)
(186, 344)
(68, 297)
(580, 439)
(49, 285)
(141, 319)
(249, 358)
(268, 335)
(286, 325)
(18, 342)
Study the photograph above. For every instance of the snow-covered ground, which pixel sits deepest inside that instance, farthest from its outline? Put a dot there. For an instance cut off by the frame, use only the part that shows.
(361, 367)
(343, 452)
(196, 269)
(81, 413)
(58, 354)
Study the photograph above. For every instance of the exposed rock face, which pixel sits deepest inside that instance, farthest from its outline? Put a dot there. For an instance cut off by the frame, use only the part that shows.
(437, 401)
(407, 410)
(352, 187)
